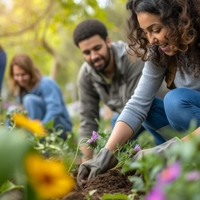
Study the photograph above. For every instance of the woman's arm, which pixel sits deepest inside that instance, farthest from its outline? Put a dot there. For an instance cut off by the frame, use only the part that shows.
(136, 109)
(120, 135)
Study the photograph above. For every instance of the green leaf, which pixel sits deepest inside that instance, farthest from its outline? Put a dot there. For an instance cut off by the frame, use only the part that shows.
(138, 183)
(13, 147)
(7, 186)
(115, 196)
(49, 125)
(30, 194)
(91, 192)
(130, 166)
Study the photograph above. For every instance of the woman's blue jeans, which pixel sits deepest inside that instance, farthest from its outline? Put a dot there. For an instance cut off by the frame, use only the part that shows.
(113, 121)
(176, 111)
(35, 107)
(36, 110)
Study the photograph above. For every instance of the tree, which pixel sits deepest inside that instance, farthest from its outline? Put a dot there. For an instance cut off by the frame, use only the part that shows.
(34, 26)
(44, 31)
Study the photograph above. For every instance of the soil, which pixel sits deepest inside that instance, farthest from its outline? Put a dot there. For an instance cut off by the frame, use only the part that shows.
(111, 182)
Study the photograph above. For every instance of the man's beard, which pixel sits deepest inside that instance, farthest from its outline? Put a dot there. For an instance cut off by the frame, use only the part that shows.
(107, 61)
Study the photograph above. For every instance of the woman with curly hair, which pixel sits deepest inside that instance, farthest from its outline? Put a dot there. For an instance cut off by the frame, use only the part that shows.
(164, 34)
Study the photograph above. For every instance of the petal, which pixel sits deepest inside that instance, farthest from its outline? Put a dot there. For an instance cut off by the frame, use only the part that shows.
(95, 135)
(49, 178)
(156, 194)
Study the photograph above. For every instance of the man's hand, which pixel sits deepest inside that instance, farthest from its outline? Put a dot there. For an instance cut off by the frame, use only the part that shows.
(104, 161)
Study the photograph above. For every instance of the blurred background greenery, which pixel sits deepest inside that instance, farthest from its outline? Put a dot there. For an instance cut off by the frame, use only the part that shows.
(44, 29)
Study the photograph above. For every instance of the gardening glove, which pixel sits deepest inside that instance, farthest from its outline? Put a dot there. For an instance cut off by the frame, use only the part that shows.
(104, 161)
(160, 149)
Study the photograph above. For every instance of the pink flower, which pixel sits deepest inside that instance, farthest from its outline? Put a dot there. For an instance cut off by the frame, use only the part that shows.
(169, 174)
(93, 138)
(192, 176)
(137, 148)
(156, 194)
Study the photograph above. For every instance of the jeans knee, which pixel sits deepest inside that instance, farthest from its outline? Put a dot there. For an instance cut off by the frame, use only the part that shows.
(31, 100)
(28, 98)
(173, 101)
(177, 101)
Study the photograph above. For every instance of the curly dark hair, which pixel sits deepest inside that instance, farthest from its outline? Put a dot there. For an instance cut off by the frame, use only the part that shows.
(181, 17)
(89, 28)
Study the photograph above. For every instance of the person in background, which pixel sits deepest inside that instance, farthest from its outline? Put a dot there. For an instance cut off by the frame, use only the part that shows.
(39, 95)
(107, 75)
(164, 34)
(3, 60)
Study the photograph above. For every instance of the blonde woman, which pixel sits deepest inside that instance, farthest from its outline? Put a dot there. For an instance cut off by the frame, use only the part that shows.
(38, 94)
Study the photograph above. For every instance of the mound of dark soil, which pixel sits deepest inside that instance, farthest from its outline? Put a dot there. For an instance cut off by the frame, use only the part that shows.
(110, 182)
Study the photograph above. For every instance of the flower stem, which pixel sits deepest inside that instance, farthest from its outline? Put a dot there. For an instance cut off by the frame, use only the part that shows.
(76, 153)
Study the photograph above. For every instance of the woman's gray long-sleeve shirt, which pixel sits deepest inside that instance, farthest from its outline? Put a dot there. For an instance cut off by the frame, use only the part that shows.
(138, 106)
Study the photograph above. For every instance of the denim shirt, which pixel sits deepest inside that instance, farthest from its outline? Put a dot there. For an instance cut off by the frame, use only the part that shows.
(51, 94)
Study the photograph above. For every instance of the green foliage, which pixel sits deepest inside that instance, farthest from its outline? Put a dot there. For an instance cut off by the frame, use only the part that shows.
(149, 166)
(144, 172)
(101, 142)
(8, 185)
(126, 152)
(16, 144)
(46, 33)
(148, 171)
(117, 196)
(11, 156)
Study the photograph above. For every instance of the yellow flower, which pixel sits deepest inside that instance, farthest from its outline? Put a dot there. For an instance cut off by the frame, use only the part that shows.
(48, 178)
(34, 126)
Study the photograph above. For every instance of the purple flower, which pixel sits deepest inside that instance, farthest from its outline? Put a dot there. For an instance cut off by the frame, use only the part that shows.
(192, 176)
(93, 138)
(170, 173)
(137, 148)
(156, 194)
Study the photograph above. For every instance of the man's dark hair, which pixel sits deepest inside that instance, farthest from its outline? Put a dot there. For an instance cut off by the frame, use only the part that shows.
(89, 28)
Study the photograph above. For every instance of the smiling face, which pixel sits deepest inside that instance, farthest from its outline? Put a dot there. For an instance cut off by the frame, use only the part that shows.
(155, 32)
(21, 77)
(96, 52)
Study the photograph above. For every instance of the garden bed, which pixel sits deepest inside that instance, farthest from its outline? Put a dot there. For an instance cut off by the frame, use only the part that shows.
(111, 182)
